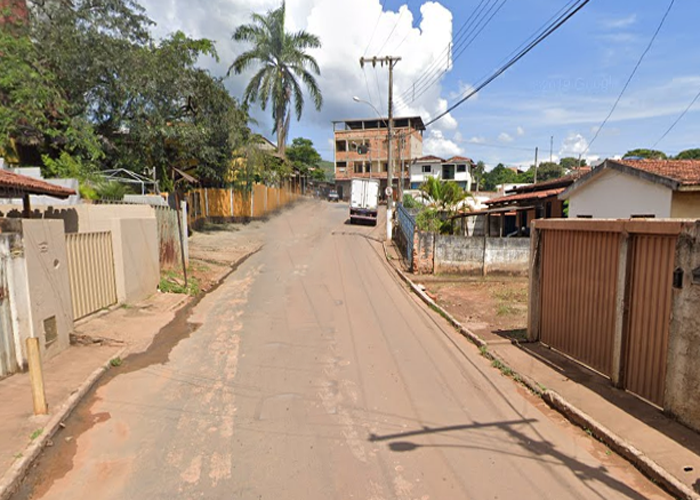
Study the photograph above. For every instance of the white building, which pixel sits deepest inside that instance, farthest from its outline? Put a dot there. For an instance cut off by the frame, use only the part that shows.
(457, 168)
(622, 189)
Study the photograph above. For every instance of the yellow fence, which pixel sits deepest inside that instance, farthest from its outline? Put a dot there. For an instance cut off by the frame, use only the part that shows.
(220, 203)
(91, 272)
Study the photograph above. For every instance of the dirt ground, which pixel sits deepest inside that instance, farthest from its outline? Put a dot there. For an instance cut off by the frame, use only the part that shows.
(487, 306)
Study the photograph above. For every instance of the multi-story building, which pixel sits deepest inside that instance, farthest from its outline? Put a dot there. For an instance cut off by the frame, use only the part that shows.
(361, 150)
(457, 168)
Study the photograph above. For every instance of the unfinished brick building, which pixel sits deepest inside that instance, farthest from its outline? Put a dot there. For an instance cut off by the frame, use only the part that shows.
(353, 137)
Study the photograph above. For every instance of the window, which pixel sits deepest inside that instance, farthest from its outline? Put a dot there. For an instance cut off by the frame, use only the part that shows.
(427, 169)
(461, 169)
(385, 167)
(341, 146)
(358, 168)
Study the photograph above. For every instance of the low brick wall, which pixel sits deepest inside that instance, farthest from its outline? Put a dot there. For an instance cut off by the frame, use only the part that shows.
(423, 250)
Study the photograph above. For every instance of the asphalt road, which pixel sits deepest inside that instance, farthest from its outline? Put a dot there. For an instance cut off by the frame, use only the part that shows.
(311, 373)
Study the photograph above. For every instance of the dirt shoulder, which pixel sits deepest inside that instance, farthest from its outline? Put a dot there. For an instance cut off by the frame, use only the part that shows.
(491, 307)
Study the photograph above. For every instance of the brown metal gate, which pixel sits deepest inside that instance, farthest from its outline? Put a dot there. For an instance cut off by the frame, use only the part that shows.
(651, 261)
(578, 289)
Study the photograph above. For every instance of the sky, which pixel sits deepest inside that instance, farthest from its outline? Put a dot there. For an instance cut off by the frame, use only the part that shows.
(554, 99)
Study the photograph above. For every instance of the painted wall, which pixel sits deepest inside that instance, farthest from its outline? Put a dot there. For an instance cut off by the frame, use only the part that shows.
(686, 205)
(418, 176)
(477, 256)
(614, 195)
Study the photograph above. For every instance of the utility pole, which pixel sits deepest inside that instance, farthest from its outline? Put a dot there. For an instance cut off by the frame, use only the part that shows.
(536, 151)
(390, 62)
(551, 148)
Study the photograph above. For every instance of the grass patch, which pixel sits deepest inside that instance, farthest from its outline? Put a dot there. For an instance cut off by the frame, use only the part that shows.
(173, 282)
(505, 370)
(505, 309)
(483, 350)
(18, 455)
(115, 361)
(510, 295)
(36, 434)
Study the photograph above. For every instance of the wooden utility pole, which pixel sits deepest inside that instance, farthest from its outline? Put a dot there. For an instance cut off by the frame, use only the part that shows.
(390, 62)
(536, 151)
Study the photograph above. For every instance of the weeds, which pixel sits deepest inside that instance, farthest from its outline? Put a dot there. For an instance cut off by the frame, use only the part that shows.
(18, 455)
(504, 369)
(36, 434)
(483, 350)
(115, 362)
(172, 282)
(505, 310)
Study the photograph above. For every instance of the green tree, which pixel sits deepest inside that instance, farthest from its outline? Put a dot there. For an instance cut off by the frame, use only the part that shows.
(443, 195)
(547, 171)
(569, 163)
(479, 172)
(302, 154)
(284, 63)
(500, 174)
(689, 154)
(649, 154)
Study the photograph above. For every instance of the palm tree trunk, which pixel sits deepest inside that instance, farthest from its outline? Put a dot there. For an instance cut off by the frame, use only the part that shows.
(281, 139)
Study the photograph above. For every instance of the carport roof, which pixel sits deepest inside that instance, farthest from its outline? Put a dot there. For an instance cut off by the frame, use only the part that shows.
(12, 184)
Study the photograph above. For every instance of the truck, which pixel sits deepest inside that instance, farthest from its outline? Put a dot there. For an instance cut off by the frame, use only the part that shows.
(364, 200)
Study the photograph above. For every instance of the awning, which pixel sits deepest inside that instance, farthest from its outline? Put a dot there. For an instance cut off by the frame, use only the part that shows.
(493, 211)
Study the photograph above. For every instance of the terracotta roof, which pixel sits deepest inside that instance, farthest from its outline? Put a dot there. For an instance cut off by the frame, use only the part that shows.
(457, 159)
(430, 158)
(29, 185)
(536, 195)
(686, 172)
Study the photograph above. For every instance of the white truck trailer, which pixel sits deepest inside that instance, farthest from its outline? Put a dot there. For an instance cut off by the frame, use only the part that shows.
(364, 200)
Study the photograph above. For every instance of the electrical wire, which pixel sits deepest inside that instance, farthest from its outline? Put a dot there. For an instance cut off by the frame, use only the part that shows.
(374, 31)
(458, 51)
(634, 71)
(543, 36)
(673, 125)
(434, 65)
(394, 28)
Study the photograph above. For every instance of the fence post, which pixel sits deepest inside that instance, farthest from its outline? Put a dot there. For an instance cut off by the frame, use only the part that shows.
(36, 376)
(621, 299)
(534, 313)
(252, 196)
(230, 193)
(206, 202)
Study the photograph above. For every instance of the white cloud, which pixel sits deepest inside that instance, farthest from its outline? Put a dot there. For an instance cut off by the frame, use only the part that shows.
(477, 140)
(437, 144)
(462, 90)
(345, 30)
(520, 131)
(505, 137)
(619, 23)
(574, 145)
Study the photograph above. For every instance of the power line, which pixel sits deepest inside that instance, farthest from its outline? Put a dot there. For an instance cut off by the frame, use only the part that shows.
(434, 65)
(393, 29)
(685, 111)
(460, 49)
(375, 29)
(543, 36)
(634, 71)
(364, 73)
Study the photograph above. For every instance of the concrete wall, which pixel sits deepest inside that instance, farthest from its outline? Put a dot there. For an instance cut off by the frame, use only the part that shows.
(37, 288)
(423, 248)
(686, 205)
(614, 195)
(683, 368)
(480, 256)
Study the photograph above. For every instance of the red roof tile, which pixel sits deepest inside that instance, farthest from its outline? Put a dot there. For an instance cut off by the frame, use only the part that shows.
(687, 172)
(29, 185)
(430, 158)
(458, 159)
(536, 195)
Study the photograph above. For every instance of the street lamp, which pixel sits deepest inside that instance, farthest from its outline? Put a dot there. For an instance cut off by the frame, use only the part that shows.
(389, 173)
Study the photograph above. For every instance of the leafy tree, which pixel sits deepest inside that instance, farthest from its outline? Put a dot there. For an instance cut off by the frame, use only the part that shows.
(303, 155)
(649, 154)
(284, 62)
(499, 175)
(547, 171)
(570, 163)
(689, 154)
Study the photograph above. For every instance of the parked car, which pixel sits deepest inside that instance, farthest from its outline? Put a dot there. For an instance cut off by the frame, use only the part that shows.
(333, 196)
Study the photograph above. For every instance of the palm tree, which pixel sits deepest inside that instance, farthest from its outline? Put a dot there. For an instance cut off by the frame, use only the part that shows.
(284, 62)
(443, 195)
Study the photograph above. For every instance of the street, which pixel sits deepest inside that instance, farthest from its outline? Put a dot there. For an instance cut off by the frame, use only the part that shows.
(312, 373)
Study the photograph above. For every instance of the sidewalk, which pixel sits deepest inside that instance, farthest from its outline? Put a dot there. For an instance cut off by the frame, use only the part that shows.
(663, 449)
(101, 338)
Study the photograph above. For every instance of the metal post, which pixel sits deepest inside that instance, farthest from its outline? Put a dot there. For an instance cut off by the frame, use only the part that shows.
(535, 180)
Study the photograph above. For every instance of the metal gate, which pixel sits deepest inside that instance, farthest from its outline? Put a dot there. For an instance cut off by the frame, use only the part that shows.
(578, 287)
(407, 227)
(649, 315)
(91, 270)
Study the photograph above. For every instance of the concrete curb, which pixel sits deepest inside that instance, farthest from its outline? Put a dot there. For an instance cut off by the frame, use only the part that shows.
(14, 475)
(577, 417)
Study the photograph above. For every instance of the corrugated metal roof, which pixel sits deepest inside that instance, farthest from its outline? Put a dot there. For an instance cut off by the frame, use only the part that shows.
(536, 195)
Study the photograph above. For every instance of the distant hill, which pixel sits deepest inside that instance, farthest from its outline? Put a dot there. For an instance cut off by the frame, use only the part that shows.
(329, 168)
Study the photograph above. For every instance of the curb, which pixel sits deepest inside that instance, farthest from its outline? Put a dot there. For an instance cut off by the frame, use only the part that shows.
(574, 415)
(14, 475)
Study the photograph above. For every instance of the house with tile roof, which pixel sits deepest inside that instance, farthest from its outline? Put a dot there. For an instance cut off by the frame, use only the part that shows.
(622, 189)
(458, 168)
